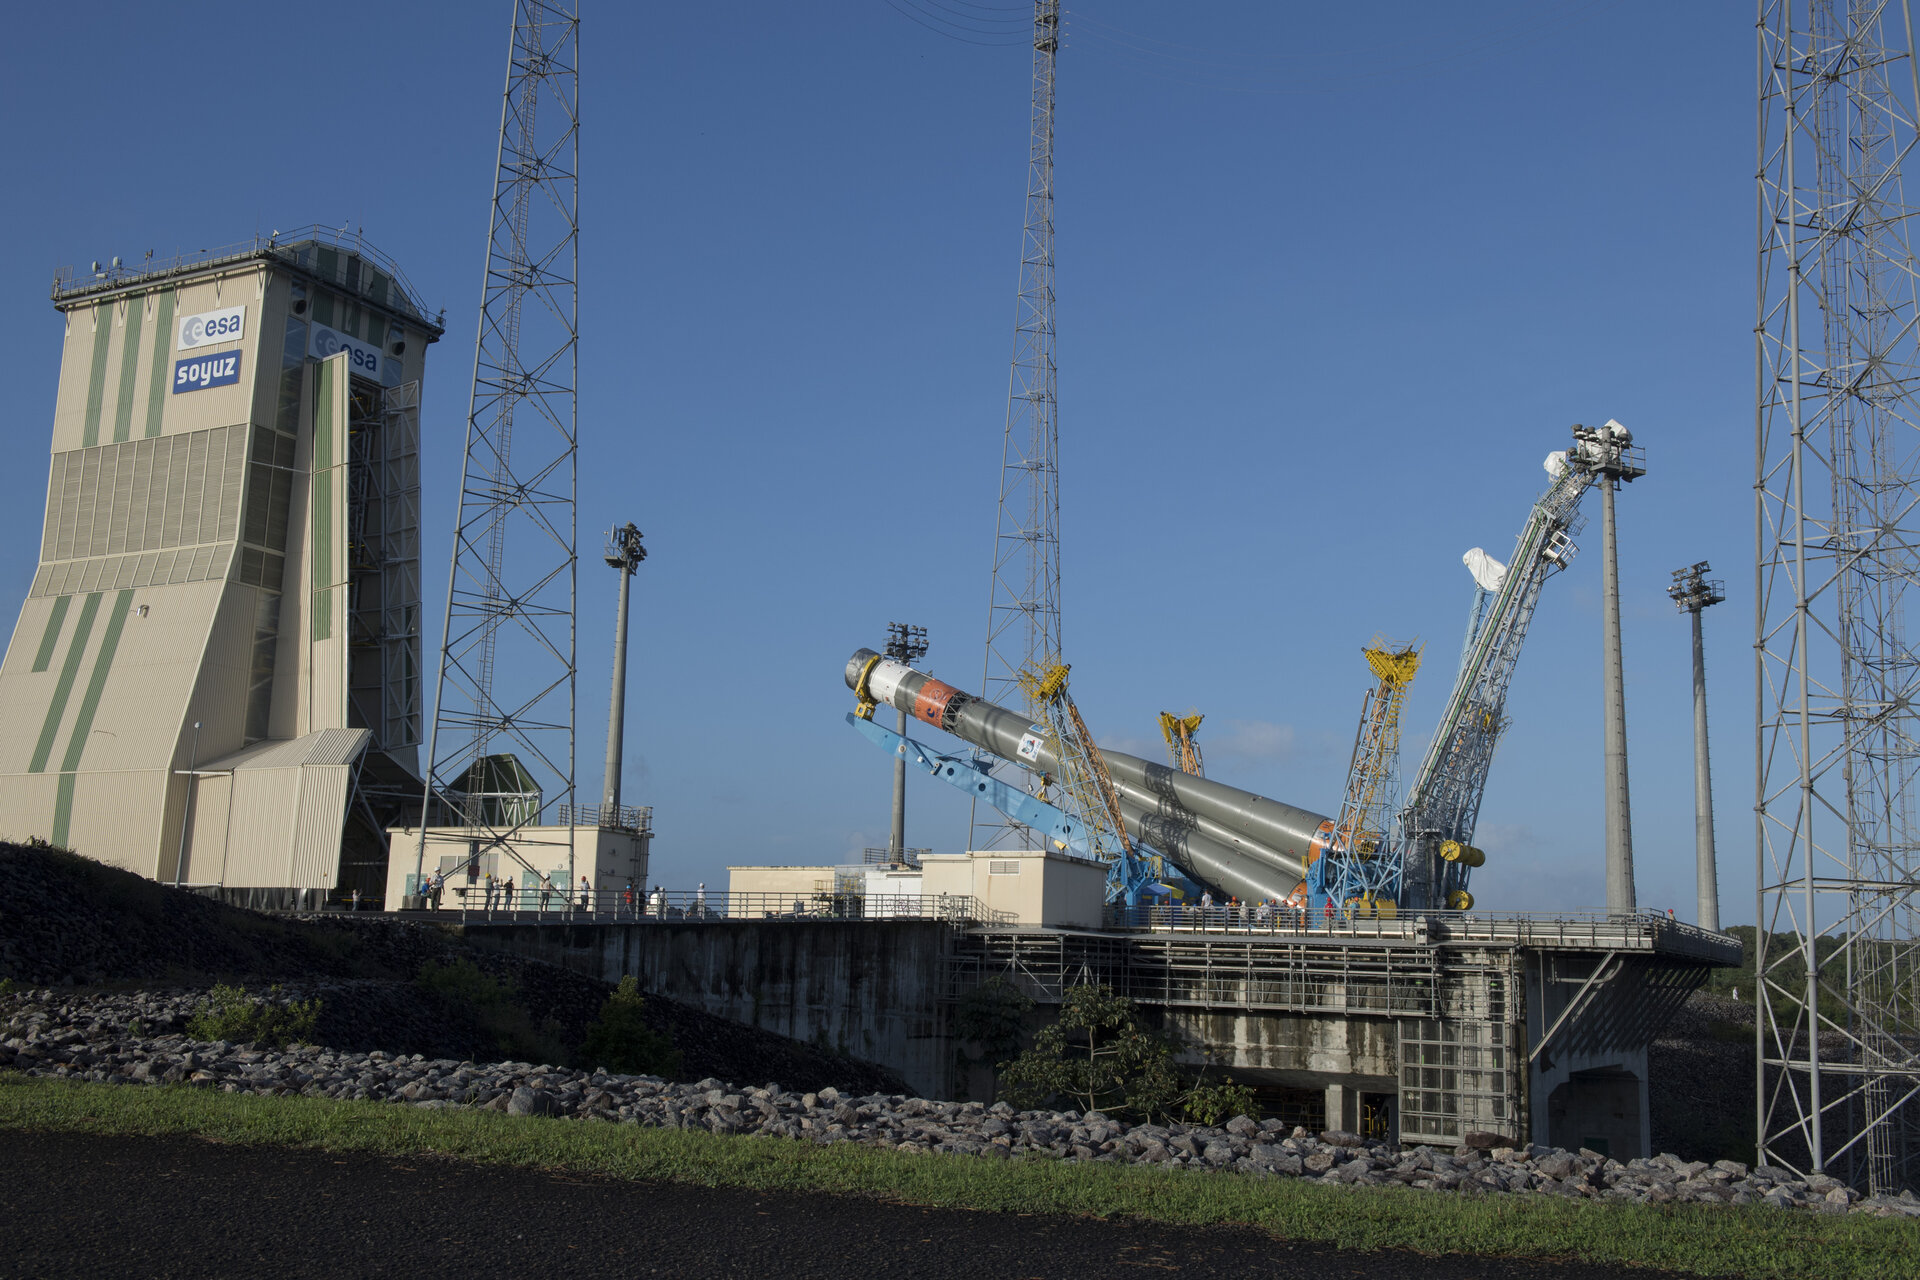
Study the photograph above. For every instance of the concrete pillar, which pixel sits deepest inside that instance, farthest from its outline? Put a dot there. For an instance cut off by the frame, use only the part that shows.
(1620, 894)
(897, 837)
(617, 707)
(1342, 1107)
(1706, 874)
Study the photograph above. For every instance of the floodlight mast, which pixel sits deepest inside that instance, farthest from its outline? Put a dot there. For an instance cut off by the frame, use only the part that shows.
(624, 553)
(905, 644)
(1610, 455)
(1693, 591)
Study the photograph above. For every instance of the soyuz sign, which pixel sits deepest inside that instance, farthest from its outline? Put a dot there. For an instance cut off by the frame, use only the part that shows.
(209, 327)
(362, 358)
(197, 373)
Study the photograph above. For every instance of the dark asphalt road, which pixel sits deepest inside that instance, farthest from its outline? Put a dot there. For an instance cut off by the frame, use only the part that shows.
(74, 1205)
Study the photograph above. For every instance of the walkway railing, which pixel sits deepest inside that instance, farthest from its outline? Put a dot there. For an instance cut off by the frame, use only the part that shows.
(474, 903)
(1573, 929)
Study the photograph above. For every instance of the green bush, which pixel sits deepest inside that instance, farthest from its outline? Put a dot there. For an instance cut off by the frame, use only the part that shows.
(494, 1007)
(1213, 1104)
(620, 1040)
(230, 1014)
(1100, 1056)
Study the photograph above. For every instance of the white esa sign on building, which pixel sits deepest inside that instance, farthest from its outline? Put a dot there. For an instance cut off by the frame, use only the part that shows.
(228, 324)
(363, 358)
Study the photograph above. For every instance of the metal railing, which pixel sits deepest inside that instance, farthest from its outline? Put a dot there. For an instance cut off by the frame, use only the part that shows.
(1574, 929)
(473, 903)
(619, 817)
(68, 282)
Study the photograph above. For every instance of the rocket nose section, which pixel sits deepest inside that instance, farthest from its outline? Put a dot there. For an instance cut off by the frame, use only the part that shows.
(858, 663)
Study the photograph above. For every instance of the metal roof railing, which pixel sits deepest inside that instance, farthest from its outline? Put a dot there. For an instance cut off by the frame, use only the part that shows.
(70, 284)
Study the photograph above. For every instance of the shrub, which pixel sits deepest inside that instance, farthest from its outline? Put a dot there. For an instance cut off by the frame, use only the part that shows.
(1101, 1057)
(494, 1007)
(1213, 1104)
(620, 1040)
(230, 1014)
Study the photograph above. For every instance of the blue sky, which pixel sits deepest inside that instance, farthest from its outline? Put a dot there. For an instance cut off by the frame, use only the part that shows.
(1332, 281)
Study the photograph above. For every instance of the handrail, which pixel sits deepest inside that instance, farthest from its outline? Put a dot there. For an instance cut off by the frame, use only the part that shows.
(473, 901)
(1597, 929)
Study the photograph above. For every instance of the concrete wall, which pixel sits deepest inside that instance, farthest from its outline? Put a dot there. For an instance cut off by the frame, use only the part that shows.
(866, 988)
(1036, 888)
(769, 890)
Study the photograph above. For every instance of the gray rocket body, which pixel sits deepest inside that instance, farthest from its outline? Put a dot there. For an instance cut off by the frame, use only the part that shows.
(1245, 844)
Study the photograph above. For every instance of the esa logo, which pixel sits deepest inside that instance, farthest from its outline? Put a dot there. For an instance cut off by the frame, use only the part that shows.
(209, 327)
(197, 373)
(362, 358)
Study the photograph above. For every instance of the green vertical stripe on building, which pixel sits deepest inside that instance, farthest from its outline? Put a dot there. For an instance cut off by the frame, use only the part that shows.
(97, 682)
(97, 374)
(63, 687)
(51, 636)
(129, 362)
(62, 810)
(162, 348)
(322, 496)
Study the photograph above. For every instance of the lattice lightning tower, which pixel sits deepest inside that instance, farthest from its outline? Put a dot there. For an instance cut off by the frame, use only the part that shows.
(512, 581)
(1837, 525)
(1023, 613)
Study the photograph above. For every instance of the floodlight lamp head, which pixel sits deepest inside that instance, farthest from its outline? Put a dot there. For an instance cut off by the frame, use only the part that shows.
(906, 643)
(624, 549)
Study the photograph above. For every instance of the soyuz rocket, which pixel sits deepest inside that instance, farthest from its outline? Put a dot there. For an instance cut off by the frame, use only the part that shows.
(1237, 842)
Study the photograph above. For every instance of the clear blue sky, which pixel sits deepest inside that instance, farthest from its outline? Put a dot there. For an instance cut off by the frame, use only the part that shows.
(1332, 281)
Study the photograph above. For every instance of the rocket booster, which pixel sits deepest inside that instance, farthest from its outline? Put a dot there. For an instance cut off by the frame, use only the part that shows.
(1243, 843)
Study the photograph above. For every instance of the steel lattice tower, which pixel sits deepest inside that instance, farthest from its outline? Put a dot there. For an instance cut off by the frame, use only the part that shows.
(1837, 524)
(511, 585)
(1023, 613)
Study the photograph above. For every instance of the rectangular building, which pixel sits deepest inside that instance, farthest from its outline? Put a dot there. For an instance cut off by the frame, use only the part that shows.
(215, 677)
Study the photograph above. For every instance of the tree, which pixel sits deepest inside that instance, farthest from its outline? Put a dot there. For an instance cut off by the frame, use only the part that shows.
(1101, 1057)
(620, 1039)
(991, 1015)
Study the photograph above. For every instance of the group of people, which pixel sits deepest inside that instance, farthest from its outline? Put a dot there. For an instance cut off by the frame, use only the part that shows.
(499, 892)
(491, 893)
(1267, 913)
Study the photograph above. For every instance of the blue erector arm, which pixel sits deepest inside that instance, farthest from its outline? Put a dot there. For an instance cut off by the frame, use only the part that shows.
(1127, 879)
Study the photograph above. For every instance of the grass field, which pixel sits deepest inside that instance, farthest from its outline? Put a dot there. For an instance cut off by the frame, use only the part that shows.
(1696, 1239)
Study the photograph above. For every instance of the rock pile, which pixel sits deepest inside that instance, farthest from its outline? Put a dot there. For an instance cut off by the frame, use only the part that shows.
(67, 921)
(133, 1039)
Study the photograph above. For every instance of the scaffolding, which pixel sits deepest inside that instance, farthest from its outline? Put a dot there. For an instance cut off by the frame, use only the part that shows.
(1837, 524)
(1362, 872)
(1023, 610)
(513, 574)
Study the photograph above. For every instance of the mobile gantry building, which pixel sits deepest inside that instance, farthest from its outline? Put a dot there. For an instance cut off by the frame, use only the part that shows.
(215, 678)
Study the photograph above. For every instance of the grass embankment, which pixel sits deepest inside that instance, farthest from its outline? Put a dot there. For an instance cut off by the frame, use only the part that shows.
(1698, 1239)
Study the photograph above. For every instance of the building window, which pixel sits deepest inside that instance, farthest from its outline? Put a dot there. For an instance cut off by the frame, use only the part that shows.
(266, 639)
(1003, 867)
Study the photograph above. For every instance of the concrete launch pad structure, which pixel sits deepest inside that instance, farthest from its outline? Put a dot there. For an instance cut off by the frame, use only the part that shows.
(1418, 1029)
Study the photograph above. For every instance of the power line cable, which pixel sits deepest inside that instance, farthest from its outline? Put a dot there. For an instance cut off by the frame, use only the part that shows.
(1196, 72)
(996, 26)
(921, 18)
